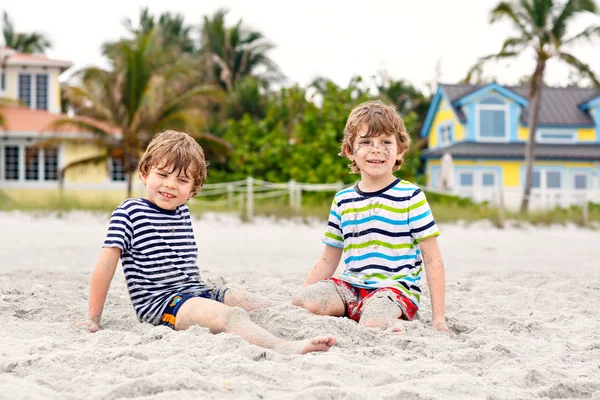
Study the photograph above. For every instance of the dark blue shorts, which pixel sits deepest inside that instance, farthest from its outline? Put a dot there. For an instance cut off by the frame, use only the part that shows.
(169, 315)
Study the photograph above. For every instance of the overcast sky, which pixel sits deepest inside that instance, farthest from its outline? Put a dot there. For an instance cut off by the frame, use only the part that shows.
(332, 38)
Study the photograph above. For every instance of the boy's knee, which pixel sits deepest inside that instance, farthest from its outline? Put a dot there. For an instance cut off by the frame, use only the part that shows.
(231, 317)
(373, 323)
(312, 306)
(298, 301)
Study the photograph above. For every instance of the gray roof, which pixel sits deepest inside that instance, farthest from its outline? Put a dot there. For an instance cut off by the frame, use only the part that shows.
(560, 106)
(580, 152)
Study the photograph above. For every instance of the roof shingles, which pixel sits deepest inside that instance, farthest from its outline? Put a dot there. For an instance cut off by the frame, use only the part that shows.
(559, 106)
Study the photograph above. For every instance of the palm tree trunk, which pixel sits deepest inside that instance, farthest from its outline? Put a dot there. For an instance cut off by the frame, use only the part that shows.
(533, 117)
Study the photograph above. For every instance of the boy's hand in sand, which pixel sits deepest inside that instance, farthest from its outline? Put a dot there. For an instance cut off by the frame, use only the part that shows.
(92, 326)
(440, 325)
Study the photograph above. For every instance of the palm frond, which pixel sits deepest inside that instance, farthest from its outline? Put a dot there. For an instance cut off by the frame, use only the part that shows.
(511, 12)
(478, 67)
(94, 160)
(580, 66)
(587, 34)
(82, 123)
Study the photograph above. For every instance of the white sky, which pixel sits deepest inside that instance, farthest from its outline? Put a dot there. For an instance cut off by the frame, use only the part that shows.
(332, 38)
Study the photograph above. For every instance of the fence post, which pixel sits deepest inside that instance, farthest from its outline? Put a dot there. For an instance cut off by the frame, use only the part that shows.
(298, 198)
(501, 215)
(586, 212)
(292, 189)
(250, 197)
(230, 195)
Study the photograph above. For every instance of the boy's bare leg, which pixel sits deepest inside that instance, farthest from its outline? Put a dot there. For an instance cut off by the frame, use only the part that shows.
(321, 298)
(219, 318)
(247, 301)
(379, 312)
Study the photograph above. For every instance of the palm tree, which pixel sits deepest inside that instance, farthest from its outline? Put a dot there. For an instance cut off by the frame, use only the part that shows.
(146, 90)
(541, 26)
(233, 53)
(406, 98)
(2, 119)
(173, 31)
(23, 42)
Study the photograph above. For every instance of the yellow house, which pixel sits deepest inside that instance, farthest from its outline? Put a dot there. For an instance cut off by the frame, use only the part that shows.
(31, 172)
(476, 143)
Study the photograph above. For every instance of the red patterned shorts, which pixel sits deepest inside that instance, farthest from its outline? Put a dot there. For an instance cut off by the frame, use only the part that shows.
(355, 298)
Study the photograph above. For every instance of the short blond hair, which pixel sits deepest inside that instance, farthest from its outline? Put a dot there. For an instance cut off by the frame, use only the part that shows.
(178, 151)
(380, 119)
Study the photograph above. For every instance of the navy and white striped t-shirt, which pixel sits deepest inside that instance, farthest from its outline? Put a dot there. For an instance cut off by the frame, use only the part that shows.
(158, 254)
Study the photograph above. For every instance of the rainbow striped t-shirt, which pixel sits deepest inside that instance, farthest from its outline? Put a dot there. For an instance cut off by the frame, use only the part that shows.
(379, 232)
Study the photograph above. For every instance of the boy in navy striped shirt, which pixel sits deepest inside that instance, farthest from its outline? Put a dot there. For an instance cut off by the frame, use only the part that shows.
(153, 236)
(384, 230)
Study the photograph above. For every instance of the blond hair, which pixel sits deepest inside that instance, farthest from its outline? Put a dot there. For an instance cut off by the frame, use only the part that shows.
(380, 119)
(179, 152)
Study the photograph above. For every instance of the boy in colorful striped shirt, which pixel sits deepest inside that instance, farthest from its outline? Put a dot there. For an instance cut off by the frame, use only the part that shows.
(382, 228)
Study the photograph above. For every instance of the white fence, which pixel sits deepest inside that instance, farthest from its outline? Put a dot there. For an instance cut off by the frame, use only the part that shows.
(245, 192)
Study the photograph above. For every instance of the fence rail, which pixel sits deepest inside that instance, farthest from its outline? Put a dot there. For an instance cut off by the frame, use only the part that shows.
(250, 189)
(244, 193)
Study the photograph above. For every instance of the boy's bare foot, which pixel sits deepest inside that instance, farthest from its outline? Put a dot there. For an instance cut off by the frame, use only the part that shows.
(320, 343)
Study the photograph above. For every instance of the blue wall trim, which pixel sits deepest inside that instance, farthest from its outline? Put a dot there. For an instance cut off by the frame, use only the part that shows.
(493, 87)
(471, 122)
(514, 122)
(590, 104)
(433, 107)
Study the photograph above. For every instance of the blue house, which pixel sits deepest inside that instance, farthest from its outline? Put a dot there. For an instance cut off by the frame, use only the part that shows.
(481, 130)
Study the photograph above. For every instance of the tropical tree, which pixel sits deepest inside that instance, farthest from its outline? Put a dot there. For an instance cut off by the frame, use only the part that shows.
(541, 26)
(233, 53)
(34, 42)
(407, 99)
(2, 119)
(146, 90)
(172, 30)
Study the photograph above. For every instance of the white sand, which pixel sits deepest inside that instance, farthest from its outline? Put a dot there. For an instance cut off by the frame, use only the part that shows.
(524, 305)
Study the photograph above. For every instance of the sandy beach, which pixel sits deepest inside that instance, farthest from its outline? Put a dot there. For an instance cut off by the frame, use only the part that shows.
(523, 304)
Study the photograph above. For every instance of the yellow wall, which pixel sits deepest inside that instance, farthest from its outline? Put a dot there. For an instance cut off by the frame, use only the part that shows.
(583, 134)
(84, 174)
(586, 135)
(511, 169)
(11, 83)
(12, 79)
(444, 115)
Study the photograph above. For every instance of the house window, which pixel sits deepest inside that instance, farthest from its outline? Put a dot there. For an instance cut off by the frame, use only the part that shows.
(51, 164)
(488, 179)
(556, 137)
(547, 179)
(32, 164)
(25, 89)
(41, 92)
(466, 179)
(492, 120)
(580, 181)
(116, 170)
(11, 163)
(446, 133)
(3, 81)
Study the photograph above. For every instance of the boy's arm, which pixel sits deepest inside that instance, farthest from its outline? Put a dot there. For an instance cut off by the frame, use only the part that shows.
(325, 265)
(436, 280)
(101, 277)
